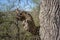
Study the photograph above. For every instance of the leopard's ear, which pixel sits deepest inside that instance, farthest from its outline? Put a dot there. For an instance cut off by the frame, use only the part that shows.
(17, 10)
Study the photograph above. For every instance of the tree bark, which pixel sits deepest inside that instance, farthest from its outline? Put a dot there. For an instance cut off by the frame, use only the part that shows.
(49, 20)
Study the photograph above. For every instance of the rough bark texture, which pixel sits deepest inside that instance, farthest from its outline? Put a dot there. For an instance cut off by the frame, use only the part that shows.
(50, 20)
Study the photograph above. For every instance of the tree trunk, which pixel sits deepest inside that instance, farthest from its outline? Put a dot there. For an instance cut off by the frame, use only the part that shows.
(49, 20)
